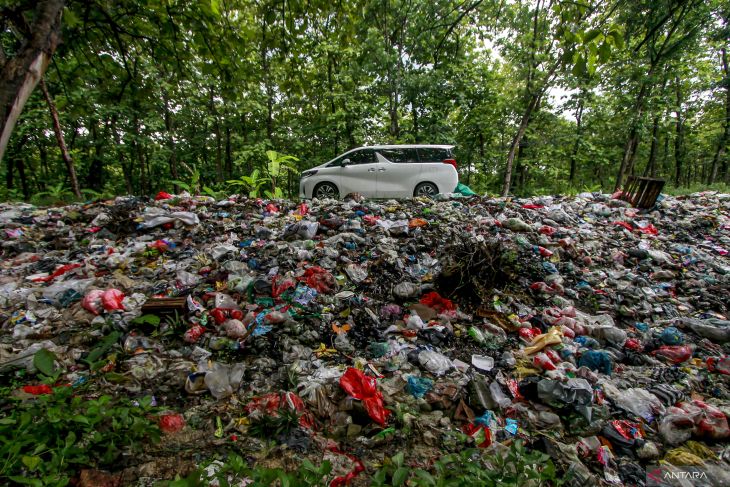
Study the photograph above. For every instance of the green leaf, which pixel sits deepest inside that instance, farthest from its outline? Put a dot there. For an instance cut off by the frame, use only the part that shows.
(31, 462)
(604, 52)
(398, 459)
(78, 418)
(590, 35)
(400, 476)
(26, 481)
(43, 360)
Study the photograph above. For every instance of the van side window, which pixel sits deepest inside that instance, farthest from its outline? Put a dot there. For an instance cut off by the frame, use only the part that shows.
(400, 155)
(432, 154)
(363, 156)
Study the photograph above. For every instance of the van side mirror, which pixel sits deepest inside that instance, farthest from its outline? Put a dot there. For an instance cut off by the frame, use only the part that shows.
(346, 162)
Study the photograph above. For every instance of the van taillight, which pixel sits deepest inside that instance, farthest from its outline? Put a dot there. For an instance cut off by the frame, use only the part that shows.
(451, 161)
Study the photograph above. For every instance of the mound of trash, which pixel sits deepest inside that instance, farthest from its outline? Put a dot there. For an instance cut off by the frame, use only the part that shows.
(347, 331)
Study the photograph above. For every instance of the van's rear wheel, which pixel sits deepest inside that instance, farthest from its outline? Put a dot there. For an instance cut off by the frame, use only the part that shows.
(426, 189)
(326, 190)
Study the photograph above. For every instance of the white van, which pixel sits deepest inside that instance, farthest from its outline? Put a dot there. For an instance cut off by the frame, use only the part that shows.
(384, 171)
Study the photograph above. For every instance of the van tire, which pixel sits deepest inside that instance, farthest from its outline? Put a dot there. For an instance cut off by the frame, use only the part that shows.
(326, 190)
(426, 189)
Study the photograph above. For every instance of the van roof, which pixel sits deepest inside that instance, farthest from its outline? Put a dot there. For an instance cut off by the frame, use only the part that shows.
(406, 146)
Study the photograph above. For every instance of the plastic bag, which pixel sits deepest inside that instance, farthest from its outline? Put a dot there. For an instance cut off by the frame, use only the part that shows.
(597, 360)
(360, 386)
(437, 302)
(464, 190)
(435, 362)
(674, 354)
(109, 300)
(171, 423)
(319, 279)
(419, 386)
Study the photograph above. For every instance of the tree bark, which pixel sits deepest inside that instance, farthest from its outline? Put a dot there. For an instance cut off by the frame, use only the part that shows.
(170, 128)
(719, 161)
(73, 180)
(125, 169)
(627, 162)
(229, 155)
(679, 140)
(20, 74)
(650, 169)
(516, 143)
(576, 146)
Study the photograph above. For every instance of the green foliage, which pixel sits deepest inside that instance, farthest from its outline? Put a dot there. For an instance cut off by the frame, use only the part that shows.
(235, 470)
(217, 86)
(472, 467)
(56, 194)
(43, 360)
(44, 440)
(268, 426)
(251, 183)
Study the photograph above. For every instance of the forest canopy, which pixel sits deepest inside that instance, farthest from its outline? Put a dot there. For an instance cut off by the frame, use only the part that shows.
(543, 96)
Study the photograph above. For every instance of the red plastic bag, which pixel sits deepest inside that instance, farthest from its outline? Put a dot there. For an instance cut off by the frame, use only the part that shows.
(543, 362)
(38, 390)
(675, 354)
(713, 422)
(220, 315)
(346, 479)
(319, 279)
(436, 301)
(546, 230)
(171, 423)
(529, 333)
(109, 300)
(58, 272)
(112, 299)
(92, 301)
(532, 206)
(274, 402)
(649, 230)
(362, 387)
(163, 196)
(277, 289)
(474, 429)
(193, 334)
(625, 225)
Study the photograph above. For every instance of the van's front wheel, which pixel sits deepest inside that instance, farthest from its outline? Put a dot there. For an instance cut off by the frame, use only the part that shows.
(426, 189)
(326, 190)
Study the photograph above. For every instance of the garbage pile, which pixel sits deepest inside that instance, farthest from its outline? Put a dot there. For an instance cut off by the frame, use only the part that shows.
(350, 330)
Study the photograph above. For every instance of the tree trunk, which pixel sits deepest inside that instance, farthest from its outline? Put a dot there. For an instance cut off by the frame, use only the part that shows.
(94, 178)
(10, 163)
(576, 146)
(139, 155)
(516, 143)
(170, 128)
(229, 155)
(20, 163)
(627, 162)
(127, 171)
(679, 140)
(218, 143)
(719, 161)
(61, 143)
(20, 74)
(650, 169)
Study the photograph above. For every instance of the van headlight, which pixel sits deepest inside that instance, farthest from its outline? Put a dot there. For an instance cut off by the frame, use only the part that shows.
(306, 174)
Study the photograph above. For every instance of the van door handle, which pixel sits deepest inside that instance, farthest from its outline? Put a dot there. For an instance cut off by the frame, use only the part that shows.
(381, 169)
(372, 169)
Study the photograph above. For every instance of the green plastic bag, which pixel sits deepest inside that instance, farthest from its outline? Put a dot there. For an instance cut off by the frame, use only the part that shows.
(464, 190)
